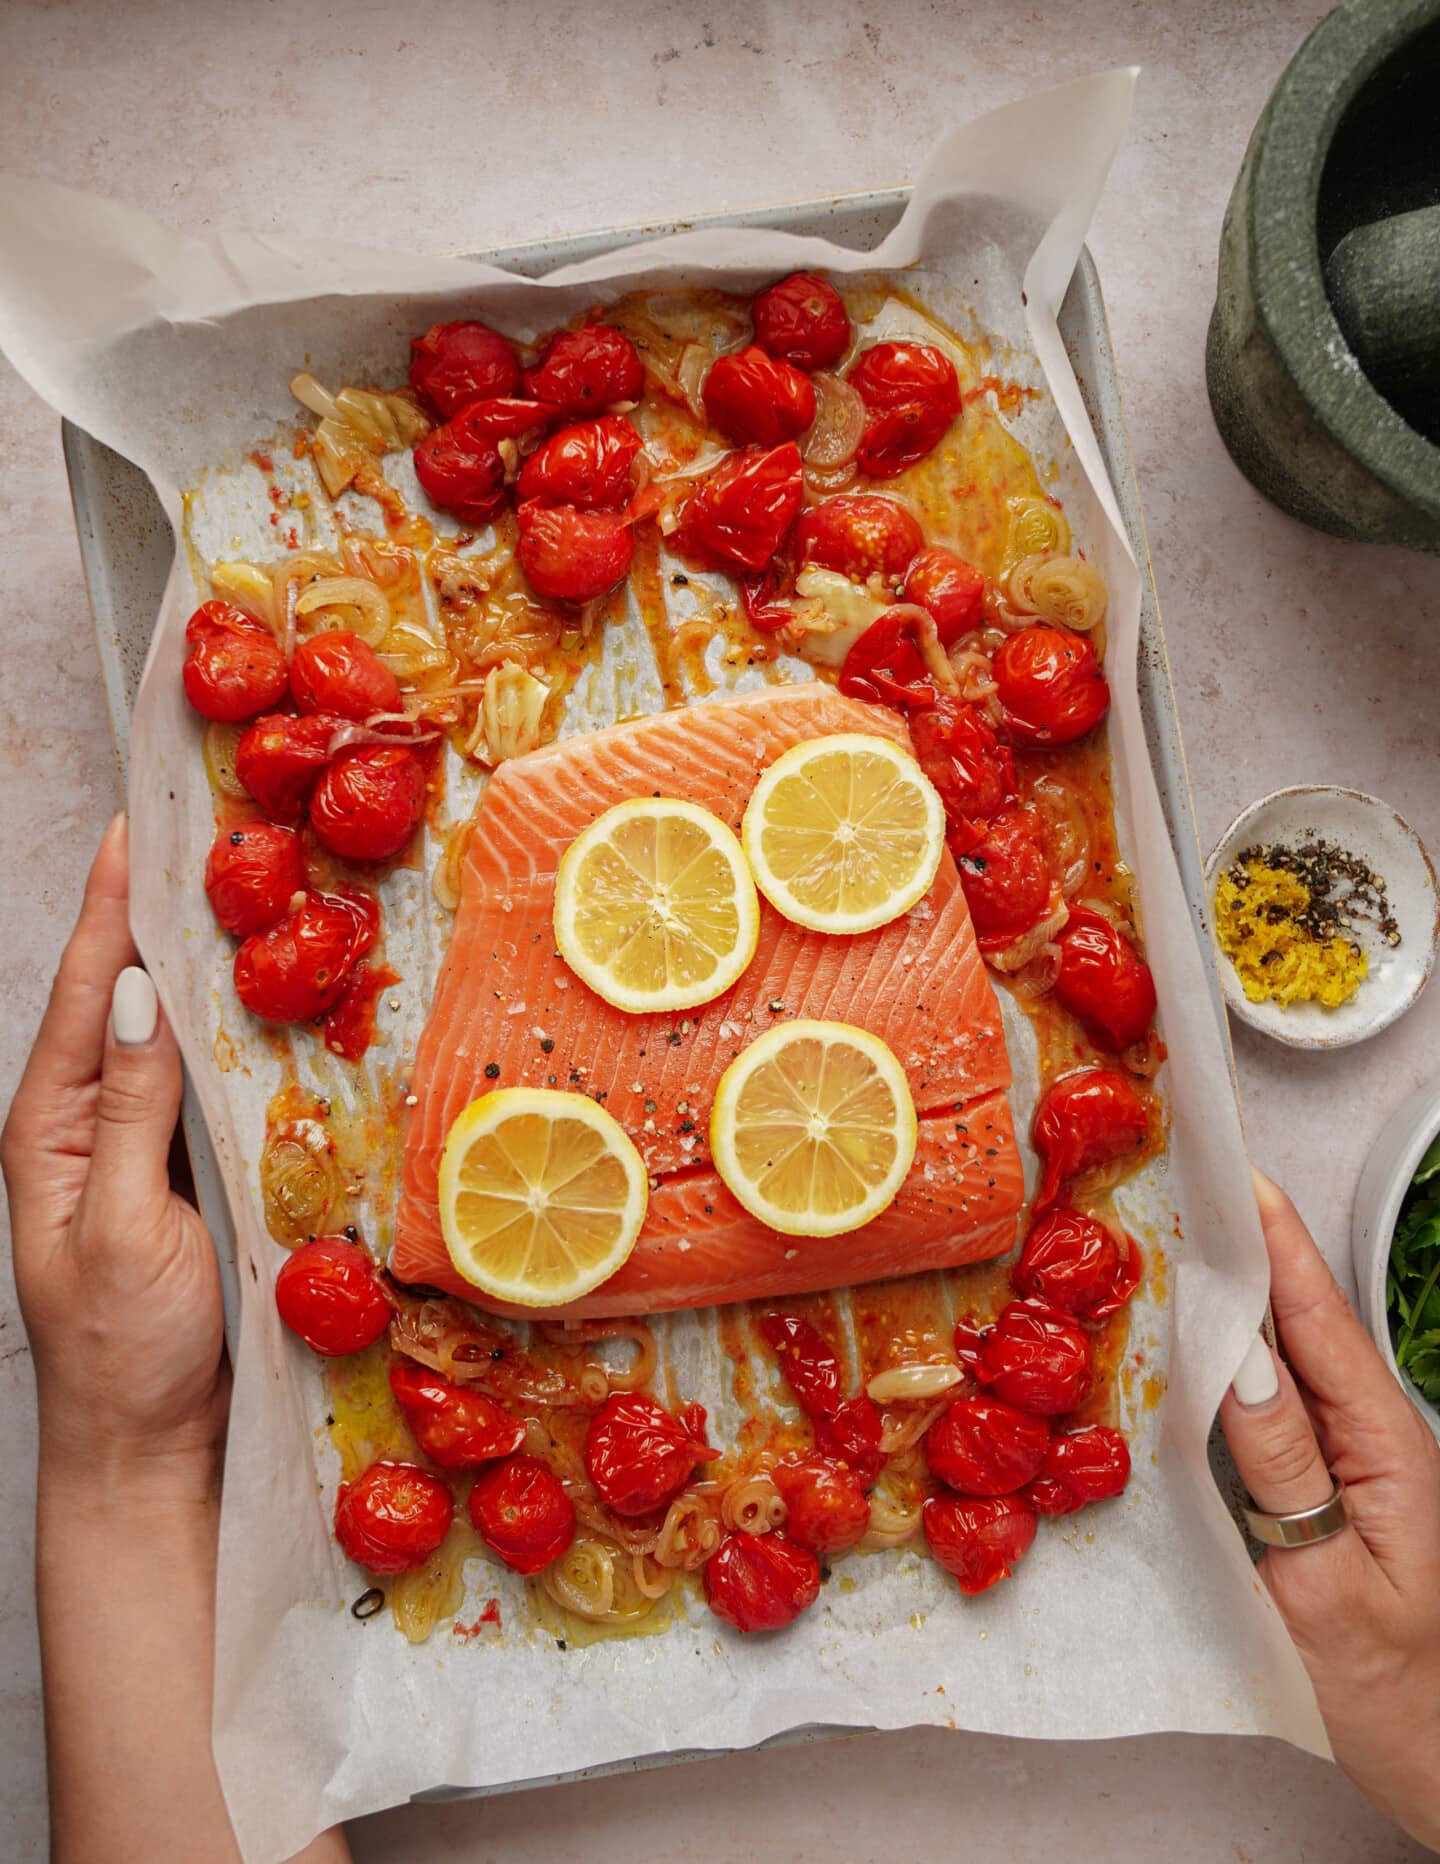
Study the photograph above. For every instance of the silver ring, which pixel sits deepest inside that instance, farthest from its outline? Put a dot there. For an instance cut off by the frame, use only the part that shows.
(1305, 1526)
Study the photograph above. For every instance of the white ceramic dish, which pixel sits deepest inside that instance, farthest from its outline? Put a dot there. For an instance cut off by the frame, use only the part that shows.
(1370, 829)
(1383, 1184)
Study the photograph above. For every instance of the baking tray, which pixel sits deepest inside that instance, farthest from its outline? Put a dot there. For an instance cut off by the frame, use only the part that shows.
(126, 547)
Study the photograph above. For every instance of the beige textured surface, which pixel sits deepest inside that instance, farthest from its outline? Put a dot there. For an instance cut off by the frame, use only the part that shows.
(1296, 658)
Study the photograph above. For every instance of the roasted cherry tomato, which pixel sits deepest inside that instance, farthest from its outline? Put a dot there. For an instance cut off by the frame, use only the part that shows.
(1104, 981)
(1006, 880)
(760, 593)
(1084, 1119)
(913, 395)
(1073, 1263)
(1050, 685)
(979, 1541)
(982, 1446)
(949, 587)
(522, 1513)
(852, 1436)
(860, 535)
(1090, 1465)
(826, 1507)
(280, 758)
(457, 1429)
(251, 874)
(368, 801)
(392, 1518)
(761, 1582)
(885, 667)
(756, 399)
(328, 1293)
(461, 470)
(236, 666)
(808, 1360)
(586, 465)
(804, 320)
(350, 1020)
(584, 371)
(973, 772)
(505, 417)
(296, 970)
(640, 1455)
(455, 363)
(341, 674)
(1032, 1358)
(571, 555)
(739, 515)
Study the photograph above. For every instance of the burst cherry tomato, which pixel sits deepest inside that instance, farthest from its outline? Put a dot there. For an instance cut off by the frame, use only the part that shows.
(1084, 1119)
(639, 1455)
(885, 667)
(350, 1020)
(808, 1360)
(982, 1446)
(341, 674)
(761, 1582)
(981, 1541)
(739, 515)
(1073, 1263)
(949, 587)
(1090, 1465)
(1104, 981)
(327, 1292)
(505, 417)
(755, 399)
(368, 801)
(457, 1429)
(1007, 883)
(280, 758)
(1033, 1358)
(392, 1518)
(973, 772)
(587, 465)
(296, 970)
(1050, 685)
(455, 363)
(236, 666)
(460, 469)
(852, 1436)
(802, 319)
(584, 371)
(913, 395)
(859, 535)
(826, 1508)
(522, 1513)
(571, 555)
(251, 875)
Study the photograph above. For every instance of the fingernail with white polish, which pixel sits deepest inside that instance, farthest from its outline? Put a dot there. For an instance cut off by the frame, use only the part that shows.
(1257, 1381)
(134, 1009)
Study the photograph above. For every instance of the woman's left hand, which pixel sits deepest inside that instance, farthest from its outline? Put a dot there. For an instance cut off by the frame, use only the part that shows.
(116, 1273)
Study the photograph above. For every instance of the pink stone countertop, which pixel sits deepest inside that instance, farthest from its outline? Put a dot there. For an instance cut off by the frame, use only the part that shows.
(1297, 658)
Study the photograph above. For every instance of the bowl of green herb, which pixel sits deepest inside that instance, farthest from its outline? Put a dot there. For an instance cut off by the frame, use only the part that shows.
(1396, 1242)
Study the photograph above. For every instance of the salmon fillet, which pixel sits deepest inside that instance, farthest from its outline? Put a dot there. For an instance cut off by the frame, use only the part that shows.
(508, 1012)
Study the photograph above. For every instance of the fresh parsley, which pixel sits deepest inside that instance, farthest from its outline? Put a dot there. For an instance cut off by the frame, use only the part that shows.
(1412, 1287)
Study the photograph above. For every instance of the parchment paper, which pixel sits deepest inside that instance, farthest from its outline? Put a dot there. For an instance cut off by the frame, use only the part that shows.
(1140, 1617)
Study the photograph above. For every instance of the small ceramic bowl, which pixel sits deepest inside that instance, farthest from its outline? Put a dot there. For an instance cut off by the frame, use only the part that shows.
(1386, 843)
(1383, 1184)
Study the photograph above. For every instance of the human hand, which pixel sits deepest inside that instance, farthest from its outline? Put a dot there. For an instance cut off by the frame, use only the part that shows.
(116, 1274)
(1363, 1606)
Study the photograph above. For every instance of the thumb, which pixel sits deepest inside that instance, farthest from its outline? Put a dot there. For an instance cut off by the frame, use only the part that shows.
(139, 1098)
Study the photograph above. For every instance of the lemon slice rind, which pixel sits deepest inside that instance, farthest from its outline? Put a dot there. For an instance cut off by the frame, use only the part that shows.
(754, 1136)
(553, 1163)
(709, 934)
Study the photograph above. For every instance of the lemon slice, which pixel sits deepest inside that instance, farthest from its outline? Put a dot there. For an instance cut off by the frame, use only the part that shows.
(542, 1195)
(844, 833)
(655, 908)
(813, 1128)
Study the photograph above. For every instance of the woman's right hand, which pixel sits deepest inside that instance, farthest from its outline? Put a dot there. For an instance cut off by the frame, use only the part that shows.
(1364, 1606)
